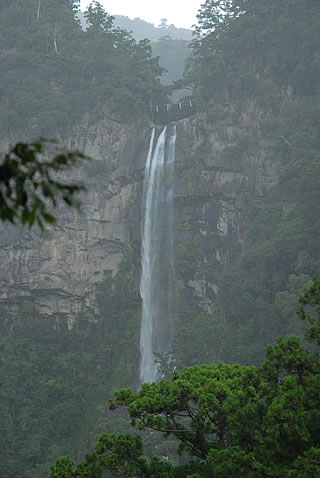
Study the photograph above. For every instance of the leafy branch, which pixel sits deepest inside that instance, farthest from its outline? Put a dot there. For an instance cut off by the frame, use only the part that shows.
(28, 187)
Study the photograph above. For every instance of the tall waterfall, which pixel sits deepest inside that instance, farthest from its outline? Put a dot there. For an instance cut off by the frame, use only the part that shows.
(157, 252)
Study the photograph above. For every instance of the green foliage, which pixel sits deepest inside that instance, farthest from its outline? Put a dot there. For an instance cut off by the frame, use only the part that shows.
(232, 420)
(54, 382)
(48, 377)
(306, 465)
(203, 339)
(280, 241)
(228, 420)
(119, 321)
(193, 406)
(119, 454)
(253, 53)
(52, 72)
(252, 48)
(27, 186)
(310, 310)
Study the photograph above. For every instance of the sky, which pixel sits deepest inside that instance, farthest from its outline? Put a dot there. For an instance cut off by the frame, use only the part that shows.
(182, 13)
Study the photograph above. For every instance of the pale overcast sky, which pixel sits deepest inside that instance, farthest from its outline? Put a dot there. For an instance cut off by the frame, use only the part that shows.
(180, 12)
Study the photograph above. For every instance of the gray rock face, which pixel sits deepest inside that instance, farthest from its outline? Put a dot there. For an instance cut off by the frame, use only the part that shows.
(59, 268)
(220, 165)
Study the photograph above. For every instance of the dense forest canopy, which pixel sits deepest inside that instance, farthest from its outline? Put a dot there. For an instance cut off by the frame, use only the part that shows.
(240, 45)
(53, 72)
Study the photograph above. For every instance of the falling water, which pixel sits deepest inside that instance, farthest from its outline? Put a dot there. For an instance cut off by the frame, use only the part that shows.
(157, 252)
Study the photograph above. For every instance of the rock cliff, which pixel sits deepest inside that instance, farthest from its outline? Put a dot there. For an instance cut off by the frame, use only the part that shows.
(59, 268)
(222, 162)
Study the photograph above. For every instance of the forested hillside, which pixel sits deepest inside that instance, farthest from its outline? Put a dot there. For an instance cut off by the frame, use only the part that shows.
(261, 56)
(247, 233)
(53, 72)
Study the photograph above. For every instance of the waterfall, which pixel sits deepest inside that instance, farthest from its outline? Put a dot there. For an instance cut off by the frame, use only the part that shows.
(157, 252)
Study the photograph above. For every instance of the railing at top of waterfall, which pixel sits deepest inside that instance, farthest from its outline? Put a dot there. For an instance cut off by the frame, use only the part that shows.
(169, 106)
(173, 111)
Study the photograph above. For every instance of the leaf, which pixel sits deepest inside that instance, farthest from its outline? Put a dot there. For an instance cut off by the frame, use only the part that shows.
(49, 218)
(31, 219)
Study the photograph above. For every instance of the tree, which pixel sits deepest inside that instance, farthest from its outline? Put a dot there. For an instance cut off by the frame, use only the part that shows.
(252, 59)
(97, 18)
(53, 72)
(28, 185)
(310, 311)
(217, 13)
(231, 420)
(256, 40)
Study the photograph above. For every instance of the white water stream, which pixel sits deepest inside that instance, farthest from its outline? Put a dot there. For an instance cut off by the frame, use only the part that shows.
(157, 252)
